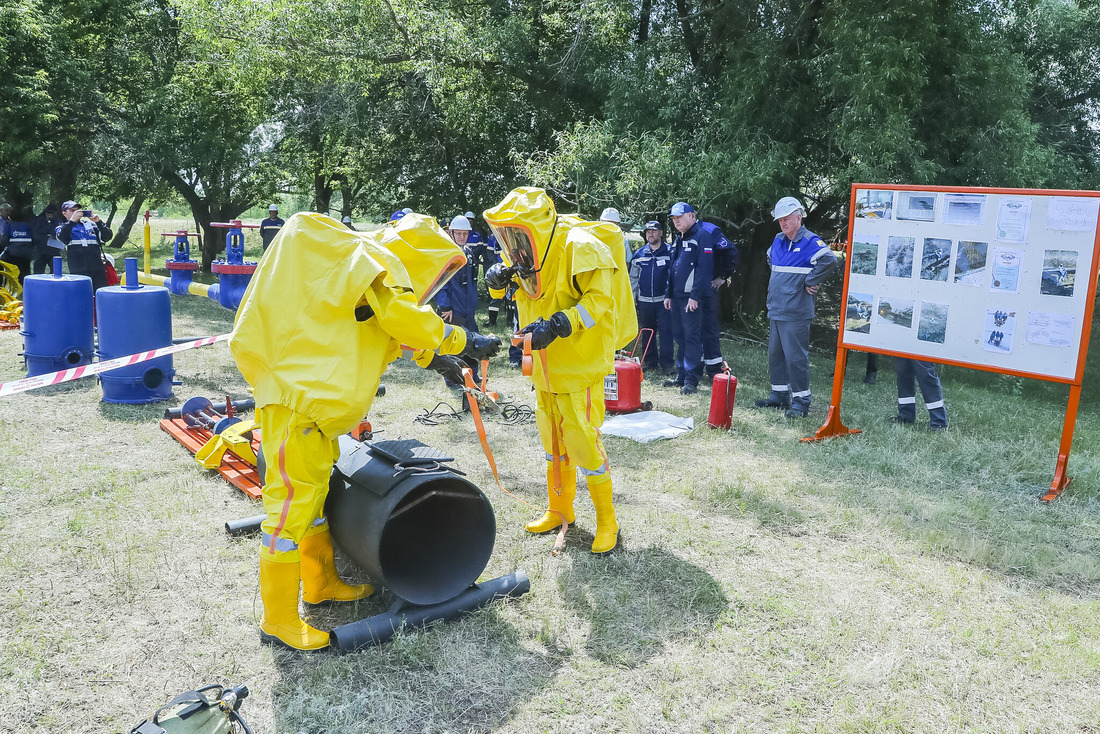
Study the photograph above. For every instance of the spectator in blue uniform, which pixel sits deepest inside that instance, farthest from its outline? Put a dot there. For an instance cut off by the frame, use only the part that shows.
(931, 390)
(84, 237)
(457, 300)
(16, 245)
(649, 277)
(44, 234)
(270, 226)
(800, 261)
(691, 295)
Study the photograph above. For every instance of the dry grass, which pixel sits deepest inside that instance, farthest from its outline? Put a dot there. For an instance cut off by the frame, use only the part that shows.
(898, 581)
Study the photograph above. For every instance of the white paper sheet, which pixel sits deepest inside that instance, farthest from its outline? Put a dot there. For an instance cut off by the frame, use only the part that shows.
(1072, 213)
(1013, 219)
(1051, 329)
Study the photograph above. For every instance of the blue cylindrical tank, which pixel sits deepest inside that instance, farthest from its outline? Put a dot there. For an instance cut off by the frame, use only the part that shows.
(57, 321)
(135, 318)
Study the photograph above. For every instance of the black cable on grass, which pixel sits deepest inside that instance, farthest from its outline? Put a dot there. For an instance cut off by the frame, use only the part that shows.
(515, 414)
(438, 415)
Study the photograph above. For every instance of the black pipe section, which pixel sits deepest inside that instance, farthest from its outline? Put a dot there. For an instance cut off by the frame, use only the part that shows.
(238, 405)
(382, 627)
(244, 526)
(416, 526)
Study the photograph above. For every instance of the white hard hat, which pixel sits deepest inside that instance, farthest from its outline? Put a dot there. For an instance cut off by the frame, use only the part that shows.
(273, 208)
(460, 222)
(346, 220)
(786, 205)
(469, 215)
(610, 214)
(407, 210)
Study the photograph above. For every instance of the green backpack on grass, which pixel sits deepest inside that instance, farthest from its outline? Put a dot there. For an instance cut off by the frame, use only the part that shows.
(196, 712)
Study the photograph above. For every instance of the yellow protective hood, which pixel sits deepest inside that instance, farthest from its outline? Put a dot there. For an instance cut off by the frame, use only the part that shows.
(427, 253)
(328, 308)
(625, 315)
(524, 224)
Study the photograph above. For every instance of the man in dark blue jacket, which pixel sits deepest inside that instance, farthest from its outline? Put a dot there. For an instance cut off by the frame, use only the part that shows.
(649, 277)
(84, 236)
(16, 245)
(457, 300)
(800, 261)
(270, 227)
(691, 295)
(44, 234)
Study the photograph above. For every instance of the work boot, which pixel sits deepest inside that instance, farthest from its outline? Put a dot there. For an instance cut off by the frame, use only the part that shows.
(689, 388)
(607, 526)
(800, 408)
(677, 381)
(558, 503)
(904, 421)
(320, 581)
(281, 624)
(775, 400)
(870, 378)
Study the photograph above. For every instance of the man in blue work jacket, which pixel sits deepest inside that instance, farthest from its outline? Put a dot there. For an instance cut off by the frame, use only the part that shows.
(800, 261)
(691, 295)
(649, 277)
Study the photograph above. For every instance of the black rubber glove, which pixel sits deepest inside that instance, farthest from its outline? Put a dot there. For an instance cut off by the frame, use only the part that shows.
(543, 332)
(448, 365)
(498, 277)
(479, 346)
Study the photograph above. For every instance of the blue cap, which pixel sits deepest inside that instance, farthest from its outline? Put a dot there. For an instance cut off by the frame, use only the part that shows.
(396, 215)
(654, 224)
(680, 208)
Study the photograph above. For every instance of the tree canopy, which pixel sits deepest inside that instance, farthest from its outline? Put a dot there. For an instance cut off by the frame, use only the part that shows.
(379, 104)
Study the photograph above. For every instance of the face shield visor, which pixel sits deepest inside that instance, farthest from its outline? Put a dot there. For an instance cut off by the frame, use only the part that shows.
(519, 251)
(430, 257)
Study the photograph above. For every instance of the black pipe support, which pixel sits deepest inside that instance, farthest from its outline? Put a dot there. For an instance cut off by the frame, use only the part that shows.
(244, 526)
(382, 627)
(238, 405)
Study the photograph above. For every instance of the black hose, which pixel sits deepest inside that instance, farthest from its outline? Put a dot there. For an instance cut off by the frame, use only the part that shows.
(382, 627)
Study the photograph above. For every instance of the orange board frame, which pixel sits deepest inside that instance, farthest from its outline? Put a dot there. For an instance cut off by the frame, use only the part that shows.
(833, 425)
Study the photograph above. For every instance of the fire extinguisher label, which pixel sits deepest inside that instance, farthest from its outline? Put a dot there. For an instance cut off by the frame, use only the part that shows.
(611, 387)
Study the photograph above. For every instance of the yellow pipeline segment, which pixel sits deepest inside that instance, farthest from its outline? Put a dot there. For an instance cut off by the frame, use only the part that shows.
(195, 289)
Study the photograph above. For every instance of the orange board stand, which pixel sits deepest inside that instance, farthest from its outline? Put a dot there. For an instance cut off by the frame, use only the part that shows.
(1023, 239)
(236, 471)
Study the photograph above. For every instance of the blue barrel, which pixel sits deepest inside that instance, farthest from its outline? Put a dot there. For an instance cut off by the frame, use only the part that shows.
(57, 321)
(135, 318)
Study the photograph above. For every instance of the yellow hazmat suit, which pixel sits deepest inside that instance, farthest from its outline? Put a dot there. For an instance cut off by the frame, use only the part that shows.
(562, 266)
(325, 312)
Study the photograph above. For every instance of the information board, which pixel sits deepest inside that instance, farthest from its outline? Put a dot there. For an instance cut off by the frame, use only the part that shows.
(997, 279)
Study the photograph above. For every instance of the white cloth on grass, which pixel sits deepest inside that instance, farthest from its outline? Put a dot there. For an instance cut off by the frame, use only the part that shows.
(646, 426)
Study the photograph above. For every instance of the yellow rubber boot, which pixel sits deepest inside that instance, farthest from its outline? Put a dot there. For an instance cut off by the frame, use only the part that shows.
(607, 527)
(281, 624)
(320, 582)
(562, 503)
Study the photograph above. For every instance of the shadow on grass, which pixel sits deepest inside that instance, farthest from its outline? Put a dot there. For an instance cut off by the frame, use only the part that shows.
(638, 600)
(466, 675)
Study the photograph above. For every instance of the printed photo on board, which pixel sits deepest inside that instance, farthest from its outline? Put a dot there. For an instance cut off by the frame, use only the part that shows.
(858, 316)
(932, 326)
(874, 204)
(895, 311)
(1059, 272)
(965, 209)
(865, 254)
(899, 257)
(999, 331)
(970, 262)
(917, 205)
(935, 258)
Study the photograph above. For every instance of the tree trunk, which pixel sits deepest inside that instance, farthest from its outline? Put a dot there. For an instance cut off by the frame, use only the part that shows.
(132, 214)
(322, 193)
(643, 20)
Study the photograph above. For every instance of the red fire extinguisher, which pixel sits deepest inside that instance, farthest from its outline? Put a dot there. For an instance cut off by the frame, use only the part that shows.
(722, 393)
(622, 390)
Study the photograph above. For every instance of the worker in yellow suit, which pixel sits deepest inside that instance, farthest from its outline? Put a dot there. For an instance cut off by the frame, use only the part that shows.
(568, 279)
(325, 312)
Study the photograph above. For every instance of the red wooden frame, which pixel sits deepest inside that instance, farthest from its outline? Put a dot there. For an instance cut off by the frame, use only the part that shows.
(833, 425)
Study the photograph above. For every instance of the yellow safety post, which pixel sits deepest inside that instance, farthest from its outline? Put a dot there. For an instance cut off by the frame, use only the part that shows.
(148, 246)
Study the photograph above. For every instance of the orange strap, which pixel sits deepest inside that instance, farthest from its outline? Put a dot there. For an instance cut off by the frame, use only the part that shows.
(528, 363)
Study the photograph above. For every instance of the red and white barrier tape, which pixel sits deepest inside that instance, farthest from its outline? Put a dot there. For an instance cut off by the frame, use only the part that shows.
(75, 373)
